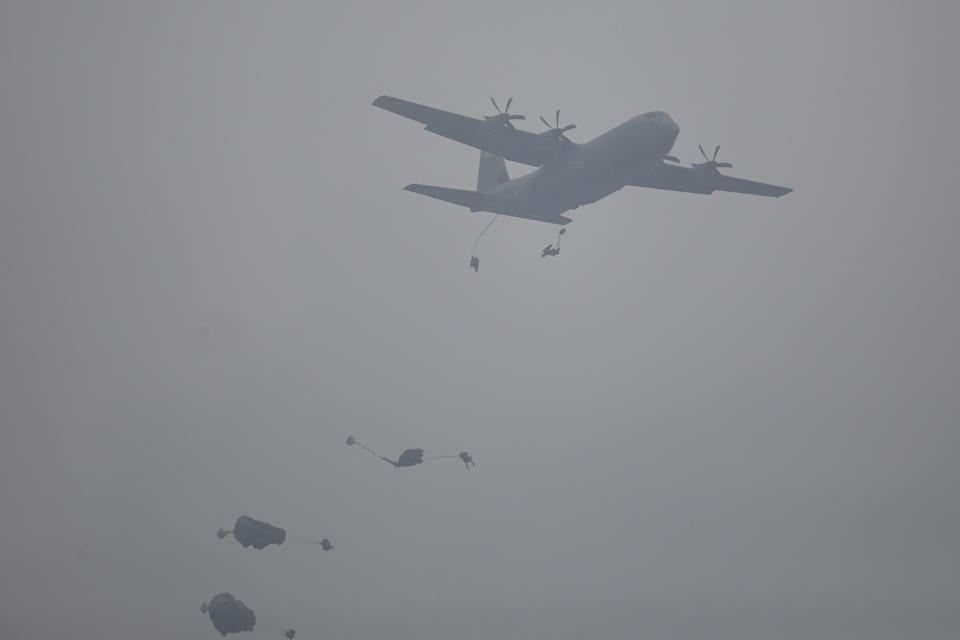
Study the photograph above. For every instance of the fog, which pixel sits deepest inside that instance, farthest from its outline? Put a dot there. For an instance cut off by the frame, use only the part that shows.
(710, 417)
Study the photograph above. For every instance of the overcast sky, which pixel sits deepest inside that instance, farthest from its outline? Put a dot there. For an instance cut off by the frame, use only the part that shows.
(724, 417)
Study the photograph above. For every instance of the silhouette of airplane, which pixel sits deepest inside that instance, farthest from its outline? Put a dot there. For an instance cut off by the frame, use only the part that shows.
(569, 174)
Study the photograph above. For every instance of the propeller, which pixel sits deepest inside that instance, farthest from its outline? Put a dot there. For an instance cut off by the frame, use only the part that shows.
(504, 117)
(558, 131)
(712, 162)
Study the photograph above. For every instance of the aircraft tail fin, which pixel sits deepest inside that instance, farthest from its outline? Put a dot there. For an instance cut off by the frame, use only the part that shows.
(471, 199)
(492, 173)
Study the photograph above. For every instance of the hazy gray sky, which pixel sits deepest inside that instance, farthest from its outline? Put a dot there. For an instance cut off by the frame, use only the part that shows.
(724, 417)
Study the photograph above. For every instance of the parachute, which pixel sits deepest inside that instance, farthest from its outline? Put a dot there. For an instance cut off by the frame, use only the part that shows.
(410, 457)
(258, 534)
(289, 634)
(254, 533)
(228, 614)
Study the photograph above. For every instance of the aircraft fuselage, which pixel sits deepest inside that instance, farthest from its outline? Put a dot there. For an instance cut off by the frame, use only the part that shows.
(579, 174)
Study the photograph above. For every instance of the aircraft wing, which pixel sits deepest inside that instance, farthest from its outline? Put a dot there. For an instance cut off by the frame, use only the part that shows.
(512, 144)
(700, 180)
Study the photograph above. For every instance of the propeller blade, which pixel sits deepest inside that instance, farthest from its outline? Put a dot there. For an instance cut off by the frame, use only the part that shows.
(724, 165)
(545, 122)
(516, 117)
(715, 152)
(567, 128)
(558, 118)
(672, 159)
(507, 108)
(495, 104)
(701, 151)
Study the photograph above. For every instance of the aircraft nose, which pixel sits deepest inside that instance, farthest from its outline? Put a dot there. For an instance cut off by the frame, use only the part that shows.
(669, 125)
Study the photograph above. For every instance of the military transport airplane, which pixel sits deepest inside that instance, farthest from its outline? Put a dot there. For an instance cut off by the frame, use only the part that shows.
(569, 174)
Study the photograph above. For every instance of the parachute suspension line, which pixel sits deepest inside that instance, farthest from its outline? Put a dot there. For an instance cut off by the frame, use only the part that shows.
(367, 449)
(473, 250)
(439, 457)
(353, 441)
(302, 540)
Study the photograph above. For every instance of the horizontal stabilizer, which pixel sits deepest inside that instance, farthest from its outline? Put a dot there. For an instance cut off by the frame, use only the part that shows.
(462, 197)
(474, 200)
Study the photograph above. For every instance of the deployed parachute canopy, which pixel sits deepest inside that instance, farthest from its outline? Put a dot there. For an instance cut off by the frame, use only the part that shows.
(254, 533)
(290, 633)
(325, 544)
(410, 457)
(228, 614)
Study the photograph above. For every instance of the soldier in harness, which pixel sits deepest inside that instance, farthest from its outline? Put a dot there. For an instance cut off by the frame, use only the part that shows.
(551, 250)
(475, 263)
